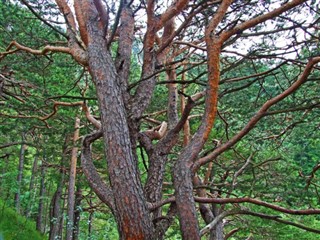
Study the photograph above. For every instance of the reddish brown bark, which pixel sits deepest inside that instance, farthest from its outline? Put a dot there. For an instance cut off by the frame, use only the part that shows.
(182, 172)
(131, 211)
(122, 111)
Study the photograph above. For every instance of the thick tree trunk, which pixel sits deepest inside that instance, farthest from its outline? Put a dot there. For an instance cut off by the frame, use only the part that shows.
(131, 212)
(72, 180)
(185, 202)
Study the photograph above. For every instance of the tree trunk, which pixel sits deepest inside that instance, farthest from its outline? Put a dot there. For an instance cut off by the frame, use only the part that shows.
(131, 211)
(56, 213)
(4, 170)
(20, 175)
(77, 213)
(90, 219)
(72, 180)
(32, 191)
(40, 216)
(62, 219)
(217, 232)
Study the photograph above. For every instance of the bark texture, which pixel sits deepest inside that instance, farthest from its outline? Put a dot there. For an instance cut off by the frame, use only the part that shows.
(72, 181)
(131, 210)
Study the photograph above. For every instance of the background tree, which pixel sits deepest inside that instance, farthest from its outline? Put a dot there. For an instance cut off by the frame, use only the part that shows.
(258, 59)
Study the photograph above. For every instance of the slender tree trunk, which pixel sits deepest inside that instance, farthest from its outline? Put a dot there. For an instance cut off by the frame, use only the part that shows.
(62, 219)
(4, 170)
(90, 219)
(56, 213)
(46, 218)
(20, 175)
(32, 191)
(217, 231)
(40, 217)
(72, 180)
(77, 214)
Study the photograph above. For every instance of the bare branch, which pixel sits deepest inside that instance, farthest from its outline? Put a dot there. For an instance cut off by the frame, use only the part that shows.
(219, 218)
(312, 175)
(90, 118)
(240, 171)
(260, 114)
(176, 7)
(95, 181)
(55, 108)
(255, 21)
(241, 200)
(44, 51)
(42, 19)
(13, 144)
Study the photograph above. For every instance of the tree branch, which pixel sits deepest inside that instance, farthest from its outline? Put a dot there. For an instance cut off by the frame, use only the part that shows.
(241, 200)
(95, 181)
(42, 19)
(260, 114)
(262, 18)
(44, 51)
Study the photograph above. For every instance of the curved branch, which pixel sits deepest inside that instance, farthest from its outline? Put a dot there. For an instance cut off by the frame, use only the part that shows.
(312, 175)
(77, 45)
(260, 114)
(44, 51)
(216, 220)
(66, 11)
(95, 181)
(262, 18)
(172, 11)
(90, 118)
(55, 108)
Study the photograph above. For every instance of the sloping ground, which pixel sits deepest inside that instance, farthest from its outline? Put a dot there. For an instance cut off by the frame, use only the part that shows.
(15, 227)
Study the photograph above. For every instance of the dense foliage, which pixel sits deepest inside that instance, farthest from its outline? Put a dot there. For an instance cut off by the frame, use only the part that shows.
(261, 160)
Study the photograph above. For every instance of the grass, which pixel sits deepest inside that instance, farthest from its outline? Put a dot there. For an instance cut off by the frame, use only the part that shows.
(16, 227)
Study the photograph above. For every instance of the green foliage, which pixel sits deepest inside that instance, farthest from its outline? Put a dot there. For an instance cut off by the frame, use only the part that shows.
(279, 167)
(264, 229)
(13, 226)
